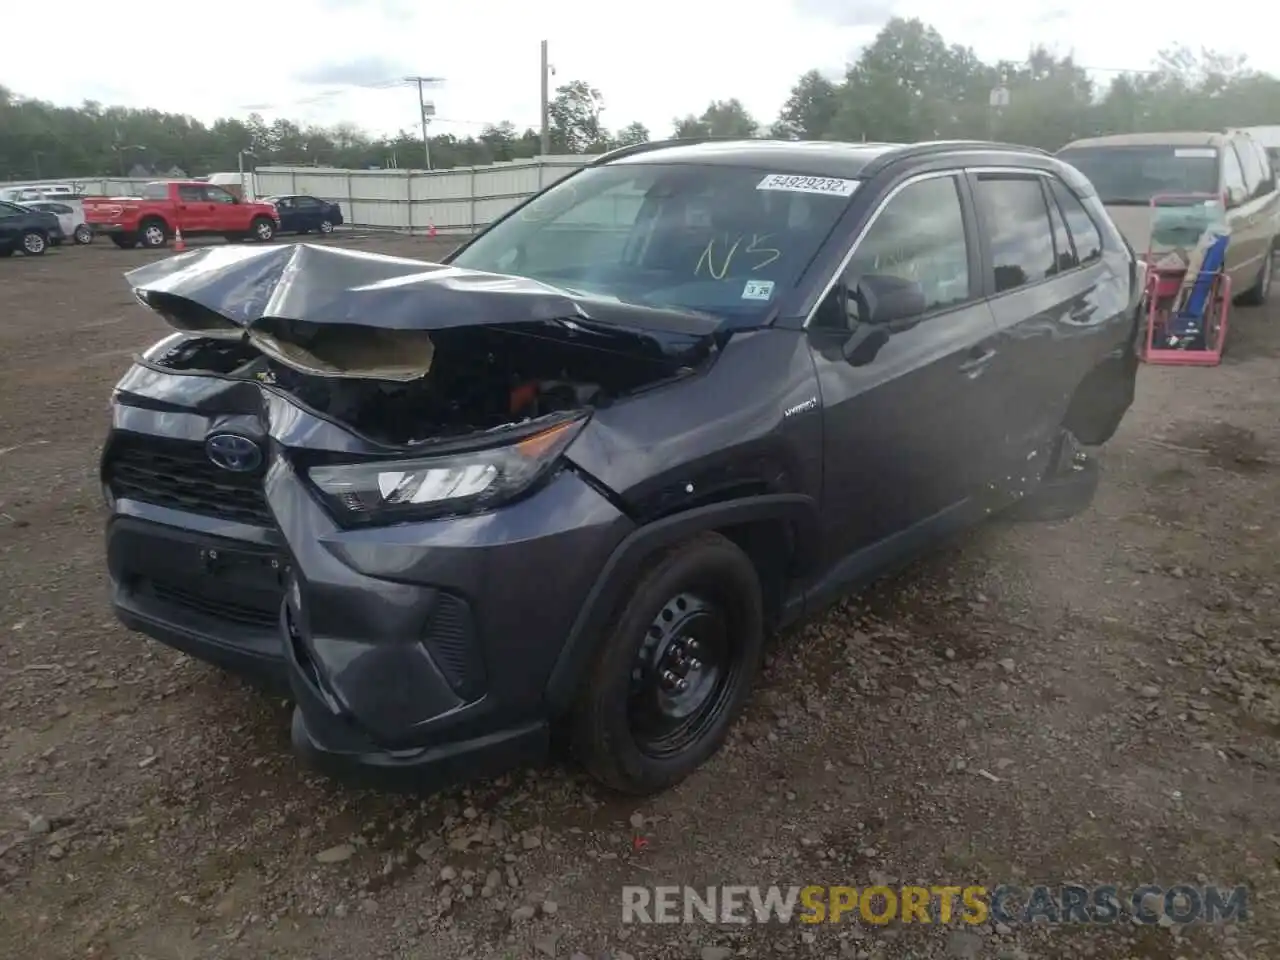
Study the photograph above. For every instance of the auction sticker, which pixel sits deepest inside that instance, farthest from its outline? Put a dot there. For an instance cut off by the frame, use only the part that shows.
(831, 186)
(757, 290)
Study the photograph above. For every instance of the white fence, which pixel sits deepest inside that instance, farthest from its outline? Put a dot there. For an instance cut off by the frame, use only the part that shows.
(460, 200)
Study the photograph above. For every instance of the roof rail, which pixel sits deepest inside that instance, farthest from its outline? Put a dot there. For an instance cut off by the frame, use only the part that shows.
(912, 150)
(633, 149)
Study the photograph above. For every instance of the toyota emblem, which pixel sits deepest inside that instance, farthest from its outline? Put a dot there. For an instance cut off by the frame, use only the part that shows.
(231, 451)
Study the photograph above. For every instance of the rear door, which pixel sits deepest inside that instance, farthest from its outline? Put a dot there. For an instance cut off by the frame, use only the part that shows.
(194, 211)
(310, 213)
(907, 426)
(1052, 302)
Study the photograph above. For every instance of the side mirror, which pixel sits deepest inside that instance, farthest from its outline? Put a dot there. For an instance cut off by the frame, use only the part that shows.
(1234, 197)
(886, 301)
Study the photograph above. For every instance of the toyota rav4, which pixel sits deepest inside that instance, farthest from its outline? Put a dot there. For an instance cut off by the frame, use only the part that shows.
(569, 480)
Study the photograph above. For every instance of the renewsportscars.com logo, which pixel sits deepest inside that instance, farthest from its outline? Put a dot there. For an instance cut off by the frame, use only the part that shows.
(972, 905)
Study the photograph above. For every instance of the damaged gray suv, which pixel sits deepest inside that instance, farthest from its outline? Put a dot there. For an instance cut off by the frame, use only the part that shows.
(567, 482)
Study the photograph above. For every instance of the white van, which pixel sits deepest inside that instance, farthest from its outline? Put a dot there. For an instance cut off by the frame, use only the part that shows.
(239, 185)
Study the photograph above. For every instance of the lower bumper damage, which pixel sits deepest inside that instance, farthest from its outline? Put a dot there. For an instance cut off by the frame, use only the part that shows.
(412, 664)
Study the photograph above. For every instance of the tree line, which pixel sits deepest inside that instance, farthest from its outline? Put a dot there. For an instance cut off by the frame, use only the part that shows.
(908, 84)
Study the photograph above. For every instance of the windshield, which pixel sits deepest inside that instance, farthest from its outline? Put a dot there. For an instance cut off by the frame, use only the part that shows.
(716, 239)
(1133, 175)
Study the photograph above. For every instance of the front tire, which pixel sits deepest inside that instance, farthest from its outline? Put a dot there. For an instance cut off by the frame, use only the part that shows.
(670, 677)
(34, 243)
(326, 227)
(262, 230)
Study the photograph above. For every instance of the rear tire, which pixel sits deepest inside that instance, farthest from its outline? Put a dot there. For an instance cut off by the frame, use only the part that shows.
(326, 227)
(153, 234)
(669, 679)
(83, 234)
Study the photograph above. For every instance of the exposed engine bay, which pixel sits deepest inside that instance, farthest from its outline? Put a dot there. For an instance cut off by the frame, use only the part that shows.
(480, 378)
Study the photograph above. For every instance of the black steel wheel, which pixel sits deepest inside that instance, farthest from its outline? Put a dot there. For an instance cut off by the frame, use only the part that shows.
(668, 680)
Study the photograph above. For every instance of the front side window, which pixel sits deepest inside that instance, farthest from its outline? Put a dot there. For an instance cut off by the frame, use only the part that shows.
(718, 239)
(190, 194)
(217, 195)
(1132, 175)
(918, 237)
(1017, 223)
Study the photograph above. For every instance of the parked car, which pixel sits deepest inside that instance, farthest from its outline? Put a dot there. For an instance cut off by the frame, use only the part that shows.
(303, 214)
(70, 214)
(574, 476)
(198, 209)
(23, 193)
(1128, 170)
(26, 230)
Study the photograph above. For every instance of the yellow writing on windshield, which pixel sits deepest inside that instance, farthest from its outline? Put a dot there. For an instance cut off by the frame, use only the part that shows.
(725, 253)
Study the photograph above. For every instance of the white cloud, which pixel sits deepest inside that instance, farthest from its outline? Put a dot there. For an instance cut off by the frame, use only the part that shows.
(651, 61)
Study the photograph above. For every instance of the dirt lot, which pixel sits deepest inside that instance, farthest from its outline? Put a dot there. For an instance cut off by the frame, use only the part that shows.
(1096, 701)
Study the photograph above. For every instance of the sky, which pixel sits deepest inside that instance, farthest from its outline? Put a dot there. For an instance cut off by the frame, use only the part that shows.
(334, 61)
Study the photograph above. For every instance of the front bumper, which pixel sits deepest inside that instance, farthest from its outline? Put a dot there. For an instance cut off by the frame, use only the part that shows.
(417, 653)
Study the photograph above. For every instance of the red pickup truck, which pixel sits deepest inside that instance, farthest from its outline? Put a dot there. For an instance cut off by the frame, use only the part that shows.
(197, 208)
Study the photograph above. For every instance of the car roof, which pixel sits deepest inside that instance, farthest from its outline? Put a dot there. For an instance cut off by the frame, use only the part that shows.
(1178, 138)
(823, 158)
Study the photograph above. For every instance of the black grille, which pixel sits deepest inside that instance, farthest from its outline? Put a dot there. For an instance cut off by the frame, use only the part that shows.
(177, 474)
(450, 636)
(223, 609)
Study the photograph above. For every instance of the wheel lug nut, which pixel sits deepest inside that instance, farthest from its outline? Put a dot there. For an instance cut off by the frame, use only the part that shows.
(670, 678)
(682, 685)
(695, 664)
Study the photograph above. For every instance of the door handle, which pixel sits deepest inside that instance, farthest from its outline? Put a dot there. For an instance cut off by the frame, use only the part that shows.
(182, 206)
(1083, 314)
(977, 359)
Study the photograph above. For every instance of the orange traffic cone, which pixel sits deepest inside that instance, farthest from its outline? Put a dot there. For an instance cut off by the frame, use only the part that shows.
(431, 228)
(178, 243)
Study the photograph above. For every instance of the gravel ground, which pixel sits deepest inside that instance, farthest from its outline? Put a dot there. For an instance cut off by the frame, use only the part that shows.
(1095, 701)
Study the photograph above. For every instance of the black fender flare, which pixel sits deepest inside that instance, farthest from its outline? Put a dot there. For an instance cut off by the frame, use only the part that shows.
(629, 557)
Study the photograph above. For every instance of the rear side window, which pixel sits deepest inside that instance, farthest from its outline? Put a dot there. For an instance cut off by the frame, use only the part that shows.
(155, 191)
(190, 194)
(1019, 231)
(1084, 233)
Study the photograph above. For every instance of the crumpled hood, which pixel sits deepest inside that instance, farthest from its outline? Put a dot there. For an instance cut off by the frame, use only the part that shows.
(341, 312)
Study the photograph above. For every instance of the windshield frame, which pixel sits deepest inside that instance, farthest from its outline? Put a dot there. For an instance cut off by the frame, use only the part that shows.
(796, 283)
(1071, 155)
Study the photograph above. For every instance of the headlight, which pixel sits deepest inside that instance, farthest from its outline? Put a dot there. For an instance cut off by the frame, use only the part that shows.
(387, 491)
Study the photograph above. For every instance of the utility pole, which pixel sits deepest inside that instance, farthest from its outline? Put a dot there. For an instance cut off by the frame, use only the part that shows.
(426, 110)
(546, 101)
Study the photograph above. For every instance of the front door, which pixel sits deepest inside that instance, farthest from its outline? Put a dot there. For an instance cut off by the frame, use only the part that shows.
(195, 213)
(909, 416)
(11, 219)
(1244, 250)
